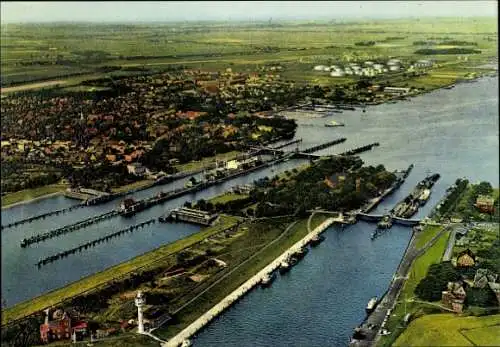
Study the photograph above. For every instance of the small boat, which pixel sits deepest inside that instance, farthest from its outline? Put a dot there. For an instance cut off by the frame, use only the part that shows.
(186, 343)
(385, 222)
(267, 279)
(316, 240)
(370, 307)
(450, 86)
(284, 267)
(333, 124)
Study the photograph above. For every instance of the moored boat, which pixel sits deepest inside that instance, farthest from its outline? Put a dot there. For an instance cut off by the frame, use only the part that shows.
(267, 279)
(370, 307)
(316, 240)
(284, 267)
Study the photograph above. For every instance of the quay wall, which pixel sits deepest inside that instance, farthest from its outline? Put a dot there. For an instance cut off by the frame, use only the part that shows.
(203, 320)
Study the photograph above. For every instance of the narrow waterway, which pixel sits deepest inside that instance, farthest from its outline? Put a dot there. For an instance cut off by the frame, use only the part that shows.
(453, 132)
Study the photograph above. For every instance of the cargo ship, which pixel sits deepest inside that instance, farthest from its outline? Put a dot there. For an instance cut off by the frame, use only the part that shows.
(370, 307)
(424, 197)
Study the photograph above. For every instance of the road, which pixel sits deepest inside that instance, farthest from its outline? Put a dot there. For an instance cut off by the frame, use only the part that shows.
(389, 299)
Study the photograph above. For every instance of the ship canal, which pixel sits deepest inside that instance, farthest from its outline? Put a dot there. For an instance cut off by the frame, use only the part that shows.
(323, 297)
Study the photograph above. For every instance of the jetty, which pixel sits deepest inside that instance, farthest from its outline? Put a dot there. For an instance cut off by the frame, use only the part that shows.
(92, 243)
(42, 216)
(255, 280)
(67, 228)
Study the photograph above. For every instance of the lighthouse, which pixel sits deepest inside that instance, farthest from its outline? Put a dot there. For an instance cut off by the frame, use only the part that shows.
(139, 302)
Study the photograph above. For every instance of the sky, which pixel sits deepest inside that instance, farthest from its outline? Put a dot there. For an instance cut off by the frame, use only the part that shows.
(168, 11)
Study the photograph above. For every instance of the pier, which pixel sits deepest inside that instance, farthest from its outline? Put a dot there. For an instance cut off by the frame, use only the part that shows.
(228, 301)
(67, 229)
(92, 243)
(360, 149)
(41, 216)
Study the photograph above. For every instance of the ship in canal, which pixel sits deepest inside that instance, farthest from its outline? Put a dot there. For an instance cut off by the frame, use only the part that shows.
(385, 222)
(267, 280)
(284, 266)
(316, 240)
(370, 307)
(334, 124)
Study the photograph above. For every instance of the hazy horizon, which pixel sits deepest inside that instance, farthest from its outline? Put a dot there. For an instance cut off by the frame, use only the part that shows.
(164, 12)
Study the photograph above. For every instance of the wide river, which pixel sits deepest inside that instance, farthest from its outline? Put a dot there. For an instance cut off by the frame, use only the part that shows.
(453, 132)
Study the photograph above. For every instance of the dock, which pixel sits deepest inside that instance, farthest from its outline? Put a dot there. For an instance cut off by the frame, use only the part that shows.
(67, 229)
(60, 255)
(228, 301)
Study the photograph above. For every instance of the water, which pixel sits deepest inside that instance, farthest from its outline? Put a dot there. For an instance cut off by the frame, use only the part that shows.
(320, 302)
(453, 132)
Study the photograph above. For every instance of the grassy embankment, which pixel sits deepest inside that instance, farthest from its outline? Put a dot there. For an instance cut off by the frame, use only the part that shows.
(135, 185)
(417, 272)
(227, 197)
(29, 194)
(52, 298)
(235, 279)
(450, 330)
(195, 165)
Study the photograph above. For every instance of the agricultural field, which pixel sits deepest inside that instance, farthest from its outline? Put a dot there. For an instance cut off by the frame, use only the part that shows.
(60, 51)
(449, 330)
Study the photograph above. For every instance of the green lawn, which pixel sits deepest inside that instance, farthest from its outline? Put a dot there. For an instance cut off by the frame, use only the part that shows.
(28, 194)
(426, 235)
(195, 165)
(134, 185)
(449, 330)
(52, 298)
(227, 197)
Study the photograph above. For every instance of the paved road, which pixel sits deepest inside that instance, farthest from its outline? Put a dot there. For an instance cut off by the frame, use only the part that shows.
(389, 300)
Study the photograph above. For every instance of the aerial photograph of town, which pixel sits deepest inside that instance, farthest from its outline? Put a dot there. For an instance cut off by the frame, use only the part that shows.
(250, 173)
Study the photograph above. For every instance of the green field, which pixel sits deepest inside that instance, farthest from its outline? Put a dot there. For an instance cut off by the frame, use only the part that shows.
(426, 235)
(28, 194)
(138, 184)
(405, 304)
(227, 197)
(52, 298)
(55, 51)
(195, 165)
(450, 330)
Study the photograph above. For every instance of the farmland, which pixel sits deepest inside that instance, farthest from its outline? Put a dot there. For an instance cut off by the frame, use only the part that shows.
(62, 51)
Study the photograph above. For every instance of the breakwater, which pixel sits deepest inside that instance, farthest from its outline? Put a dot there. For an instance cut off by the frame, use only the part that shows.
(323, 145)
(287, 144)
(360, 149)
(229, 300)
(67, 228)
(92, 243)
(41, 216)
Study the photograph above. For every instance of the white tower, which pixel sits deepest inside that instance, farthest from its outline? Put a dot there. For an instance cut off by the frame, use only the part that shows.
(139, 302)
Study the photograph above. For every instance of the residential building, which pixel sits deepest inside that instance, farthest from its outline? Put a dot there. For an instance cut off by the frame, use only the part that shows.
(466, 259)
(454, 296)
(485, 203)
(483, 277)
(136, 169)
